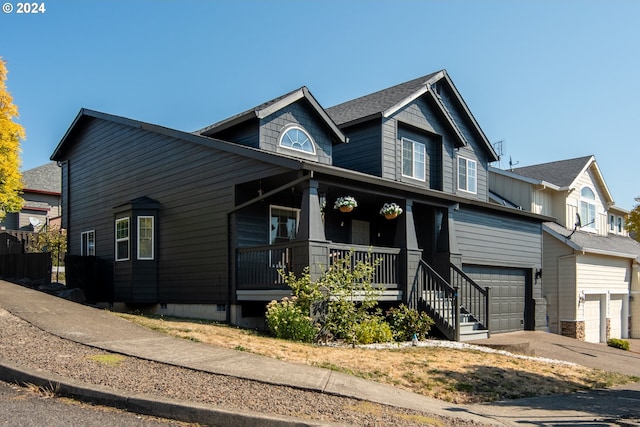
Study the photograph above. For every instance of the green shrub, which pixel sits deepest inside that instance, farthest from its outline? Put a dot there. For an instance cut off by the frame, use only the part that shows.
(618, 343)
(286, 320)
(341, 298)
(405, 322)
(373, 330)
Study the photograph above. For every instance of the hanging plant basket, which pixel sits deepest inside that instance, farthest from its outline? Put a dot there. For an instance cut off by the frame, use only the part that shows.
(390, 210)
(345, 204)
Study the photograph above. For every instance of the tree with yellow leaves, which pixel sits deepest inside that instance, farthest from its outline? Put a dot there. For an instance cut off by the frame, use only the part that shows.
(10, 135)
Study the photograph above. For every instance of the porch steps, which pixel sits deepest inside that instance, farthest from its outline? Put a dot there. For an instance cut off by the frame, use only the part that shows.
(470, 331)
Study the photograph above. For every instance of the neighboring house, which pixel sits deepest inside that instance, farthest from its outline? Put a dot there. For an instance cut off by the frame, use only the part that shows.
(200, 223)
(590, 263)
(41, 194)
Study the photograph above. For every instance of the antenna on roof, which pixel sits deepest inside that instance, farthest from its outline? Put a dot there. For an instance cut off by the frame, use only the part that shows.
(512, 163)
(499, 149)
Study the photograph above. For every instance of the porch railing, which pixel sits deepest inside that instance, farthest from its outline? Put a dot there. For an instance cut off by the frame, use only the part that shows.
(439, 299)
(474, 300)
(386, 272)
(258, 267)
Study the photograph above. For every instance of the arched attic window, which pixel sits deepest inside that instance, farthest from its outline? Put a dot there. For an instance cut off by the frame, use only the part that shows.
(296, 138)
(588, 208)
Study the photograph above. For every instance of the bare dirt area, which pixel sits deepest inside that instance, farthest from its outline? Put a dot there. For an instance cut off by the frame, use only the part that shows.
(457, 375)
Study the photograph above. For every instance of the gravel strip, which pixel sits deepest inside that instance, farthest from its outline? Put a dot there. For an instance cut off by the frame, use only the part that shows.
(27, 345)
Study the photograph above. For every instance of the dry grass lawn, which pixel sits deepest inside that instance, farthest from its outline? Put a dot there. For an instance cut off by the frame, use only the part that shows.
(459, 376)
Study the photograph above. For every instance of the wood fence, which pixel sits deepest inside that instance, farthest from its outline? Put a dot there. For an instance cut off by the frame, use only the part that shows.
(33, 266)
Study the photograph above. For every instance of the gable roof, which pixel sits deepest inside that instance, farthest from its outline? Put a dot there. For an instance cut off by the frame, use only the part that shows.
(612, 245)
(46, 178)
(564, 173)
(282, 160)
(561, 173)
(270, 107)
(386, 102)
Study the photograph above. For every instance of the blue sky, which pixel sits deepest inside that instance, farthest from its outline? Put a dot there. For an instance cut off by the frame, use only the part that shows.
(552, 79)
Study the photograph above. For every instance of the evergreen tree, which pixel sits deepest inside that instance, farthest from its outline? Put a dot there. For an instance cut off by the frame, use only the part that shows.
(10, 135)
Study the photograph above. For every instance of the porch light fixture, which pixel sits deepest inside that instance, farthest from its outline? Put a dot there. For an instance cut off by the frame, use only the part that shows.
(390, 210)
(345, 203)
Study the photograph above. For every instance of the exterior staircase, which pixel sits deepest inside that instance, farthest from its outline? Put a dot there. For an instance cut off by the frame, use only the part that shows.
(459, 308)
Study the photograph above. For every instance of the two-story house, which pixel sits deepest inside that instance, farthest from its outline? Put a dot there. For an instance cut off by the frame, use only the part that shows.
(41, 194)
(201, 223)
(590, 263)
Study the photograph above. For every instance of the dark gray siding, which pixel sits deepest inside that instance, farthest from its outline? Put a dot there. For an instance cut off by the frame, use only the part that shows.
(363, 151)
(498, 240)
(245, 134)
(111, 164)
(302, 114)
(433, 147)
(475, 149)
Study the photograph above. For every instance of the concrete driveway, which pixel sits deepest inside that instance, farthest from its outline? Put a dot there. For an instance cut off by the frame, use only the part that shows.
(553, 346)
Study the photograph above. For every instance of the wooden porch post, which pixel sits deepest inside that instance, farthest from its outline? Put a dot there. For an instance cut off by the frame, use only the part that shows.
(311, 226)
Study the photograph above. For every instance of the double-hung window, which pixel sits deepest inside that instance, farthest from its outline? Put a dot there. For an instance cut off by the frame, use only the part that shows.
(145, 237)
(467, 175)
(88, 243)
(413, 159)
(588, 208)
(122, 239)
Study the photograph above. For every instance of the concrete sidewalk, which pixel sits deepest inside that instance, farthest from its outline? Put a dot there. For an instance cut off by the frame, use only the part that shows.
(100, 329)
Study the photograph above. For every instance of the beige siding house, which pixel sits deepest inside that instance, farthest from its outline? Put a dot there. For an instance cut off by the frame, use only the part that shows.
(590, 264)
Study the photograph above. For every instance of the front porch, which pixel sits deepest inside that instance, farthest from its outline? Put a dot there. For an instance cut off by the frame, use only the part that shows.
(304, 231)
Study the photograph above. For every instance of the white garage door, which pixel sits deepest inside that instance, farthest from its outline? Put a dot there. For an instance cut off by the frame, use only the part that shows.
(592, 318)
(615, 314)
(508, 290)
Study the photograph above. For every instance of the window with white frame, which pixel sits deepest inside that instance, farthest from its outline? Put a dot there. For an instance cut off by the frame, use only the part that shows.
(296, 138)
(588, 208)
(612, 223)
(620, 222)
(283, 224)
(467, 175)
(122, 239)
(413, 159)
(88, 243)
(145, 237)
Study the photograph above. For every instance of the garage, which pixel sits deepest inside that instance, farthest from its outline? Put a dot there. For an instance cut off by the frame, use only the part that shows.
(508, 295)
(592, 318)
(615, 314)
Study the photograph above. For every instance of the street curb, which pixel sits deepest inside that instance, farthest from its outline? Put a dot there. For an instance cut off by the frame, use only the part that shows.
(146, 404)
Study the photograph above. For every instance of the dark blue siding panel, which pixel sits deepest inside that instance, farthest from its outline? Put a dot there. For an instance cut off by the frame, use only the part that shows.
(363, 152)
(498, 240)
(111, 164)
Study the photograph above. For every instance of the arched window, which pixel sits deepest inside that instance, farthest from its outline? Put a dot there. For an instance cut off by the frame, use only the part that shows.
(588, 207)
(296, 138)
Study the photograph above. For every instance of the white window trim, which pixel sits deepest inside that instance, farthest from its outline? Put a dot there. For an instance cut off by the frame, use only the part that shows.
(127, 239)
(589, 225)
(466, 183)
(286, 208)
(300, 128)
(153, 224)
(82, 247)
(413, 159)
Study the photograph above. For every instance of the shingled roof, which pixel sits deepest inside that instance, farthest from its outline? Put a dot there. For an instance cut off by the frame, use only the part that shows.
(611, 244)
(377, 102)
(272, 106)
(561, 173)
(45, 178)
